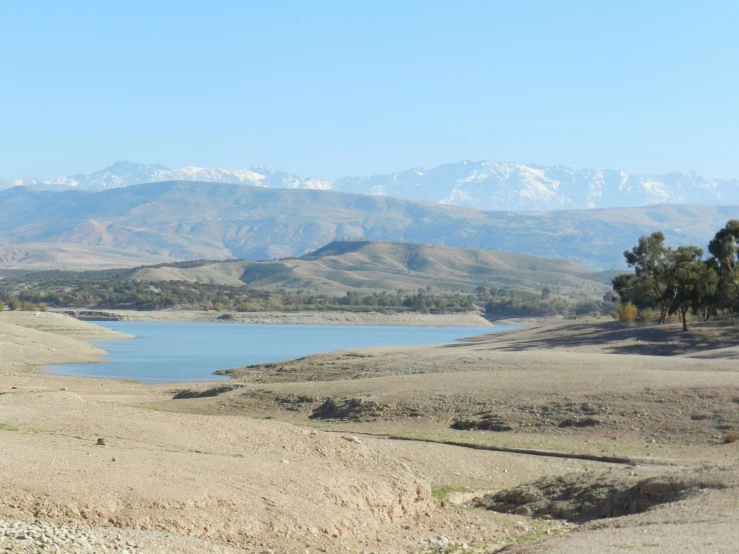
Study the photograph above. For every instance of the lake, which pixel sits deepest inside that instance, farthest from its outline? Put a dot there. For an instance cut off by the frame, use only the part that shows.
(188, 351)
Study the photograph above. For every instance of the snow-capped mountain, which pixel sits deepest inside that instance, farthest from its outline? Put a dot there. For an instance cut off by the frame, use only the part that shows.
(122, 174)
(485, 185)
(509, 186)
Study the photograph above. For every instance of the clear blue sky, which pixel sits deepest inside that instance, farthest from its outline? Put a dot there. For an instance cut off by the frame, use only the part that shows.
(343, 88)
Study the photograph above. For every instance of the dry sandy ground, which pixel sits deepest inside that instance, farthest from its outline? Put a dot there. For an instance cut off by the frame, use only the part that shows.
(469, 319)
(655, 398)
(35, 338)
(316, 454)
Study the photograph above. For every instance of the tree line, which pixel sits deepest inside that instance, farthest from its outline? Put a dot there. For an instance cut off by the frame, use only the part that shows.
(29, 293)
(682, 280)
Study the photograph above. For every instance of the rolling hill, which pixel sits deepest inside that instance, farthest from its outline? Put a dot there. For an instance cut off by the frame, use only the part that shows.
(367, 267)
(185, 220)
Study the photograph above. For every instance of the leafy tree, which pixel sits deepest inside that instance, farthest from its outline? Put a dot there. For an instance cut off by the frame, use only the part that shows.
(651, 262)
(725, 251)
(14, 304)
(689, 280)
(679, 280)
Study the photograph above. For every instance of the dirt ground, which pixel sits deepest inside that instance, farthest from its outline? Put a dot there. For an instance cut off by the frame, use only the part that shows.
(558, 437)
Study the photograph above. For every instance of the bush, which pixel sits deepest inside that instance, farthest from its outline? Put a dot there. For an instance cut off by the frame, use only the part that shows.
(2, 305)
(587, 307)
(43, 307)
(646, 316)
(28, 306)
(731, 437)
(626, 312)
(14, 304)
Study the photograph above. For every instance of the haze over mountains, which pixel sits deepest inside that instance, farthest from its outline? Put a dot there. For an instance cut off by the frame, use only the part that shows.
(185, 220)
(484, 185)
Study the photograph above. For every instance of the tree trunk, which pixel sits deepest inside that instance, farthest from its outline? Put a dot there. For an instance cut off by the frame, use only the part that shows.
(685, 321)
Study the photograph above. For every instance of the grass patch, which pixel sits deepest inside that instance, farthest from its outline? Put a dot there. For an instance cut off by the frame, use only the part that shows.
(442, 493)
(7, 427)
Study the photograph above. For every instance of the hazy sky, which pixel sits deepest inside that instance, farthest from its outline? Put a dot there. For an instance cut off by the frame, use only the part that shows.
(343, 88)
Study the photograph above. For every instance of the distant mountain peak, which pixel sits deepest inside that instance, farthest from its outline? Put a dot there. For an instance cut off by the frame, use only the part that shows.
(484, 184)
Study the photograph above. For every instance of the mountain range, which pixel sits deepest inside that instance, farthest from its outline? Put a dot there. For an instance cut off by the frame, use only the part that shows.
(483, 185)
(186, 220)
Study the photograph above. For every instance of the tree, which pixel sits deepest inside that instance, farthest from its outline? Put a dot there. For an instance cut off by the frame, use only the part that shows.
(651, 262)
(545, 293)
(690, 280)
(678, 280)
(725, 251)
(14, 303)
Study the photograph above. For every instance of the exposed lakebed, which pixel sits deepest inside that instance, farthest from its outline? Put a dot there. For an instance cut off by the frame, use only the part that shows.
(189, 351)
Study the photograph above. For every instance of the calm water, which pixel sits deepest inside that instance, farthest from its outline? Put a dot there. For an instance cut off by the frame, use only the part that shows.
(164, 352)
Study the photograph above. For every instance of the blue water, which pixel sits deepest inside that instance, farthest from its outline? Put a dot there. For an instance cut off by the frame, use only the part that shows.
(163, 352)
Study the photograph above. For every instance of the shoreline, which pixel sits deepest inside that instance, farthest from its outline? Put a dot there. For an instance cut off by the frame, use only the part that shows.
(396, 319)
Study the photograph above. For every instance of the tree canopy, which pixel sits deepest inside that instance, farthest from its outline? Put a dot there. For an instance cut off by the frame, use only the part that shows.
(681, 280)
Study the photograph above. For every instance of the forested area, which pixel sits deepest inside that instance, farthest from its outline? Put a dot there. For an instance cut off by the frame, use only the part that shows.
(681, 281)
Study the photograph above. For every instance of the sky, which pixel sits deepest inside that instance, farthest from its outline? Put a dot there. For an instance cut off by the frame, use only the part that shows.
(329, 89)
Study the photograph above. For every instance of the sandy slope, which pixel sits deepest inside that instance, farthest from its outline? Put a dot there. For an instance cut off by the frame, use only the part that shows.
(59, 324)
(34, 338)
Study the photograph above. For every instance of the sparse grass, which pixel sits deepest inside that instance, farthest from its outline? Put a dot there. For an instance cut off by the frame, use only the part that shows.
(7, 427)
(442, 493)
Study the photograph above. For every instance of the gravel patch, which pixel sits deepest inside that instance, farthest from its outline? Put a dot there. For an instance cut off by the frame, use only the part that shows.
(43, 536)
